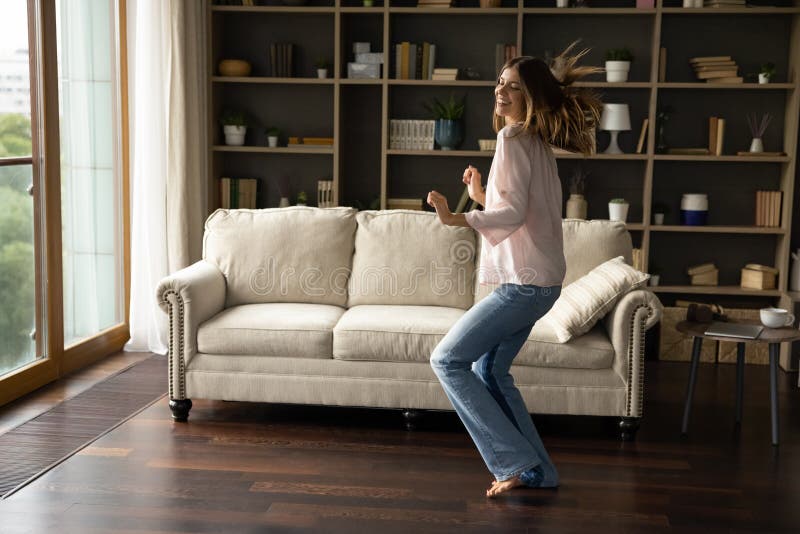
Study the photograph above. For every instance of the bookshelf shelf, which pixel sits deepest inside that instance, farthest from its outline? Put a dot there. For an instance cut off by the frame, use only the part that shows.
(305, 10)
(269, 80)
(724, 159)
(718, 229)
(588, 11)
(442, 153)
(453, 83)
(512, 11)
(716, 290)
(726, 86)
(269, 150)
(730, 11)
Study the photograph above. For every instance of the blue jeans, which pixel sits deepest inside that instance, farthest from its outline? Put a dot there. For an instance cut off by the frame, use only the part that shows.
(473, 362)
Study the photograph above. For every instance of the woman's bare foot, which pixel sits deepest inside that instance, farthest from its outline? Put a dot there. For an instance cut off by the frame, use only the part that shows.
(504, 486)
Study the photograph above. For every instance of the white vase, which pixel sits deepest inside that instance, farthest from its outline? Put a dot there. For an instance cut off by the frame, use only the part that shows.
(617, 71)
(322, 73)
(234, 135)
(576, 207)
(562, 3)
(658, 218)
(756, 145)
(763, 78)
(272, 141)
(618, 211)
(284, 203)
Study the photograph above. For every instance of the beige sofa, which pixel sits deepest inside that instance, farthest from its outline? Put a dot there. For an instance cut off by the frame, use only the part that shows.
(338, 307)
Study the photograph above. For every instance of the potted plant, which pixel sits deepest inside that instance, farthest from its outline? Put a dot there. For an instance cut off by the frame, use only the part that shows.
(618, 209)
(618, 64)
(757, 129)
(449, 129)
(234, 126)
(659, 211)
(302, 198)
(766, 73)
(272, 136)
(655, 274)
(576, 205)
(368, 3)
(322, 67)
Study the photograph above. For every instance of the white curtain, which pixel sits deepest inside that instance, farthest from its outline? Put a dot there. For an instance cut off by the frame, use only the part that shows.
(167, 97)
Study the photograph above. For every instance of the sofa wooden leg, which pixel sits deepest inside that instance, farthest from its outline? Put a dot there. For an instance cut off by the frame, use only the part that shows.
(412, 418)
(628, 427)
(180, 409)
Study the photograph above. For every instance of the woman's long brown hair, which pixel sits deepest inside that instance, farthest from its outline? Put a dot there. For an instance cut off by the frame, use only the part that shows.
(563, 115)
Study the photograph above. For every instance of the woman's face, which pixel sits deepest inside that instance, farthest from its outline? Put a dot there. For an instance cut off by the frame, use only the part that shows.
(508, 99)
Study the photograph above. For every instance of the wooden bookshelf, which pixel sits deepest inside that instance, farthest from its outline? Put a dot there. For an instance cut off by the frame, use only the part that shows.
(356, 113)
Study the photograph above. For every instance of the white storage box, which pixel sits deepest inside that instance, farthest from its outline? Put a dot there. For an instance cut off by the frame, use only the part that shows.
(370, 57)
(361, 48)
(363, 70)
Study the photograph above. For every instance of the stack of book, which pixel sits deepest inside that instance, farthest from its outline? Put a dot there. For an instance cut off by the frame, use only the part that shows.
(404, 204)
(414, 61)
(755, 276)
(768, 208)
(411, 134)
(280, 56)
(444, 74)
(716, 135)
(324, 193)
(433, 3)
(238, 193)
(724, 3)
(311, 142)
(705, 274)
(716, 69)
(502, 53)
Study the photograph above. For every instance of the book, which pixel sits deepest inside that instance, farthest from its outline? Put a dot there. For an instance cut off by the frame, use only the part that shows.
(714, 65)
(642, 136)
(720, 136)
(404, 204)
(701, 268)
(662, 64)
(426, 55)
(758, 221)
(712, 134)
(443, 70)
(405, 50)
(717, 73)
(702, 59)
(726, 79)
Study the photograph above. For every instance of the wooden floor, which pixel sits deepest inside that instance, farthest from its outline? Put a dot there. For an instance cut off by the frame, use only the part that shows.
(239, 467)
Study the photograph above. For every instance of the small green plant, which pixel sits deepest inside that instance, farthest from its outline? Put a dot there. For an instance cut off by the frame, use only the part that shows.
(273, 131)
(618, 201)
(233, 118)
(452, 109)
(321, 63)
(302, 198)
(768, 70)
(660, 207)
(619, 54)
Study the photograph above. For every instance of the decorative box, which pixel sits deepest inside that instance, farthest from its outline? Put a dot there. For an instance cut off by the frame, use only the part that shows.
(363, 70)
(370, 57)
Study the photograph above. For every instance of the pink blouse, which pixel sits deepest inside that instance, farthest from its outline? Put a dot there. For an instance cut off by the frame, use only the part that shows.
(522, 241)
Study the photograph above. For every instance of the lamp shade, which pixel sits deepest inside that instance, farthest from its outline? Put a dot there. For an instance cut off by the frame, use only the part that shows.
(615, 117)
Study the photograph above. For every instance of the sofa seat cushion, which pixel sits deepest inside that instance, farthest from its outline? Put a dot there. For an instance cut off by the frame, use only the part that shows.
(592, 350)
(294, 330)
(392, 332)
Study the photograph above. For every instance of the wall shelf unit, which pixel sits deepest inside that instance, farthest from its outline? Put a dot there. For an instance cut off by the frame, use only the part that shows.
(356, 113)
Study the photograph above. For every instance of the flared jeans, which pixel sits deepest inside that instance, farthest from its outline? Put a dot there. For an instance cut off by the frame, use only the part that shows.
(472, 362)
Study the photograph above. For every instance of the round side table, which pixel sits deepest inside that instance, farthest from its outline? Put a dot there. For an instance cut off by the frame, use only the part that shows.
(773, 336)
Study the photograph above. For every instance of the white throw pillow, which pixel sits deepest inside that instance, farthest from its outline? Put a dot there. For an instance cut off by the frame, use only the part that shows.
(583, 302)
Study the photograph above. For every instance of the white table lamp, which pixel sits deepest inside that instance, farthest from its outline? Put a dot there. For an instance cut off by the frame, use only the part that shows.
(614, 119)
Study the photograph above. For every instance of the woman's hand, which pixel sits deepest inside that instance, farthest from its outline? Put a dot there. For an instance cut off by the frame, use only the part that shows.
(473, 180)
(438, 202)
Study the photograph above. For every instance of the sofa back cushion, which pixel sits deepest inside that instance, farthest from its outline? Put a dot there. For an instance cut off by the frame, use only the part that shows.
(297, 254)
(587, 244)
(407, 257)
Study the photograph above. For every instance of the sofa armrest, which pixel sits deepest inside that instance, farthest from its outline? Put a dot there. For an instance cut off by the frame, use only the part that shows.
(189, 297)
(626, 324)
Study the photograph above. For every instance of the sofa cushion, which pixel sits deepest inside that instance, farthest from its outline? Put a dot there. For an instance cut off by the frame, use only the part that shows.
(276, 330)
(583, 302)
(593, 350)
(392, 333)
(405, 257)
(297, 254)
(587, 244)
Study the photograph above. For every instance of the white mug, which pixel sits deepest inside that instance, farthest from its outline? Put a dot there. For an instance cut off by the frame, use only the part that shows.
(776, 317)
